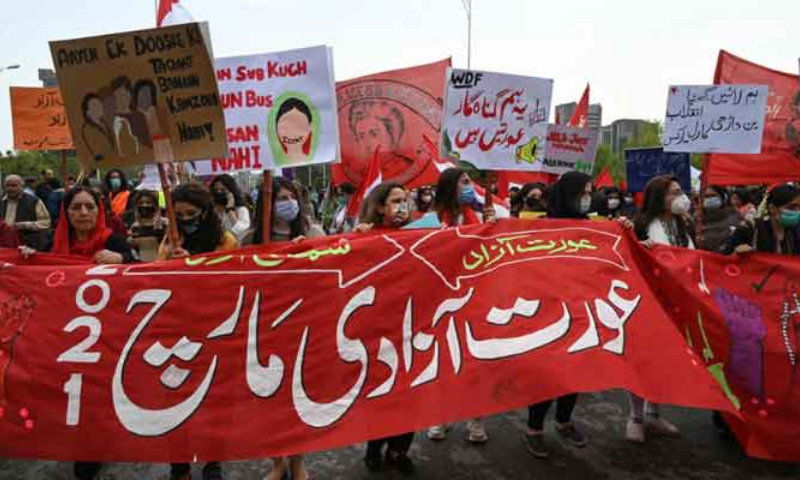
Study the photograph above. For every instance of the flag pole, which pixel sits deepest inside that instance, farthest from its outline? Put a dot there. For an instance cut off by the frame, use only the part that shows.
(173, 225)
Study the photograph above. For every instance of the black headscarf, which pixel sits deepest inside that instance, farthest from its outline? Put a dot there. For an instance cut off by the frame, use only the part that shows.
(562, 201)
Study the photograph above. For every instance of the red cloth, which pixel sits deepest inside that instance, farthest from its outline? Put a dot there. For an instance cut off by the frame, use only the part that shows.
(367, 185)
(394, 111)
(604, 179)
(580, 118)
(64, 244)
(470, 218)
(521, 178)
(779, 160)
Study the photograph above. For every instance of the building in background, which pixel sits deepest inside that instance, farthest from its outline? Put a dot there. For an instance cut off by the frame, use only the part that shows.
(620, 132)
(48, 77)
(595, 120)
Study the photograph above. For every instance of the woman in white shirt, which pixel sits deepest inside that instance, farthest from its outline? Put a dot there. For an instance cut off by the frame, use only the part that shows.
(663, 220)
(230, 206)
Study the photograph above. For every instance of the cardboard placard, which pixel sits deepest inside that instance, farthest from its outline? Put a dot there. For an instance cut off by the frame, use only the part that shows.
(141, 97)
(39, 119)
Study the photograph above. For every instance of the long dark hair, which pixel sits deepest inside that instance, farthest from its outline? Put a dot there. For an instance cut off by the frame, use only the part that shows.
(230, 183)
(140, 85)
(210, 234)
(294, 103)
(123, 180)
(655, 196)
(562, 199)
(300, 224)
(375, 200)
(447, 203)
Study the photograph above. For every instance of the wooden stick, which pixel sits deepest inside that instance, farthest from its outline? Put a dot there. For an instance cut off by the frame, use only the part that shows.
(700, 217)
(266, 206)
(173, 223)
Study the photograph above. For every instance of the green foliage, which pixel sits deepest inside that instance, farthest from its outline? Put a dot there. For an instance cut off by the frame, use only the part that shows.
(31, 164)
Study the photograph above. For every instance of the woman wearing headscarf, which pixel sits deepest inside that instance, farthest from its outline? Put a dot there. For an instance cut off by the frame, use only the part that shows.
(570, 197)
(200, 231)
(84, 234)
(720, 220)
(531, 198)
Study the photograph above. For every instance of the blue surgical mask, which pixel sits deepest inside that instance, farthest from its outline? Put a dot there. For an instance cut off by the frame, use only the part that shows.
(790, 218)
(115, 183)
(712, 203)
(466, 196)
(585, 204)
(287, 210)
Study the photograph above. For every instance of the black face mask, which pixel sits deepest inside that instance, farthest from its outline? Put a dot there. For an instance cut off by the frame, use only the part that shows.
(220, 197)
(146, 212)
(190, 227)
(534, 204)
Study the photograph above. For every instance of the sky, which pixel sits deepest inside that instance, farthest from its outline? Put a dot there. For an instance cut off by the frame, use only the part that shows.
(630, 51)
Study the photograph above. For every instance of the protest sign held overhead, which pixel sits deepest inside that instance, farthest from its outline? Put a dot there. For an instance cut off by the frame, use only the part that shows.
(39, 119)
(496, 121)
(570, 149)
(642, 164)
(391, 113)
(779, 159)
(280, 110)
(141, 97)
(715, 118)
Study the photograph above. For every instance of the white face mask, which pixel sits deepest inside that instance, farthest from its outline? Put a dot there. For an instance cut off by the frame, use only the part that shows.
(681, 205)
(613, 203)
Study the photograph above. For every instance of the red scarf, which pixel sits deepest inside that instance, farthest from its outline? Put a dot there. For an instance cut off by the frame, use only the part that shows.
(66, 245)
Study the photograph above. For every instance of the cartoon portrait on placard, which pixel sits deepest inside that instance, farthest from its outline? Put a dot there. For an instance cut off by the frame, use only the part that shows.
(294, 129)
(793, 127)
(156, 120)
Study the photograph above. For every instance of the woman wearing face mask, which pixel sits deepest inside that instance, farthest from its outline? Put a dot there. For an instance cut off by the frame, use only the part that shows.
(531, 198)
(119, 192)
(84, 234)
(612, 207)
(570, 197)
(386, 208)
(200, 231)
(776, 231)
(289, 223)
(664, 220)
(456, 204)
(148, 227)
(424, 203)
(229, 205)
(720, 220)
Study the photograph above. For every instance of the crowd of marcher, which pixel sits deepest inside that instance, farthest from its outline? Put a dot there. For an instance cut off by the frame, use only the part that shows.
(111, 222)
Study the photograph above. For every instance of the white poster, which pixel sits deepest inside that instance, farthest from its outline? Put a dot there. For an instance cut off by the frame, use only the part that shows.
(715, 118)
(570, 149)
(280, 111)
(496, 121)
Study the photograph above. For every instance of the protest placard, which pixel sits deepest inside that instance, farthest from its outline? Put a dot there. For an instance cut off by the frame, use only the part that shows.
(39, 120)
(496, 121)
(715, 118)
(642, 164)
(570, 149)
(280, 110)
(141, 97)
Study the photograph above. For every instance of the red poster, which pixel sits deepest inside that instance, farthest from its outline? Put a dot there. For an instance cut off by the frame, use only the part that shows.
(779, 160)
(314, 346)
(391, 112)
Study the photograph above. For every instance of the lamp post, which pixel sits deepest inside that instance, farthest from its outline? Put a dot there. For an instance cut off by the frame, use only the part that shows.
(468, 10)
(10, 67)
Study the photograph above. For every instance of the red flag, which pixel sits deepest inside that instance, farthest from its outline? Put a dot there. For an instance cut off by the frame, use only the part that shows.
(581, 116)
(170, 12)
(394, 111)
(779, 160)
(558, 118)
(372, 179)
(521, 178)
(604, 179)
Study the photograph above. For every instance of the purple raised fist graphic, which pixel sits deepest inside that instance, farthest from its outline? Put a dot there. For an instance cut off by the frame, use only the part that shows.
(746, 331)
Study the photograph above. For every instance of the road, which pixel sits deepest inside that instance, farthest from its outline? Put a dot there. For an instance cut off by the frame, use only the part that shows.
(699, 454)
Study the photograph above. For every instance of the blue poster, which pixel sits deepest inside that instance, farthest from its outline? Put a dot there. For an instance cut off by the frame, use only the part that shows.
(642, 164)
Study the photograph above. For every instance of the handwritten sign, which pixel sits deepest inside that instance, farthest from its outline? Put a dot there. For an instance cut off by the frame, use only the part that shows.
(496, 121)
(39, 119)
(280, 110)
(642, 164)
(715, 118)
(570, 149)
(141, 97)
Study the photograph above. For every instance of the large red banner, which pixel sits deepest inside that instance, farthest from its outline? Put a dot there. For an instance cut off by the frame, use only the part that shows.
(391, 113)
(307, 347)
(779, 160)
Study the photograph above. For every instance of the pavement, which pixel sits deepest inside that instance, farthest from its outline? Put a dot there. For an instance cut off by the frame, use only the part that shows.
(699, 454)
